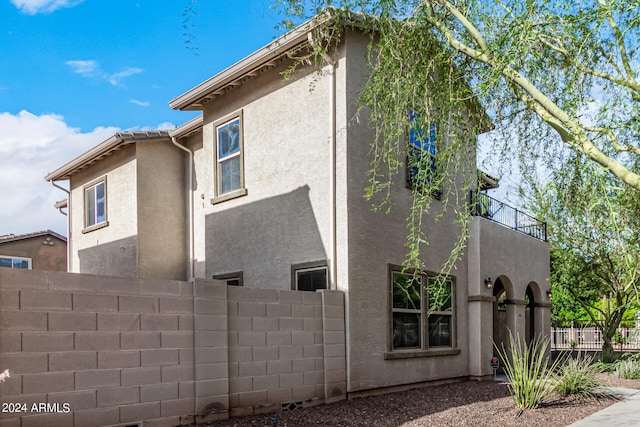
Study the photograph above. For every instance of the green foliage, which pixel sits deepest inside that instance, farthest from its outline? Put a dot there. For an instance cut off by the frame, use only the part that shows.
(614, 360)
(608, 356)
(531, 377)
(578, 377)
(628, 369)
(594, 244)
(555, 76)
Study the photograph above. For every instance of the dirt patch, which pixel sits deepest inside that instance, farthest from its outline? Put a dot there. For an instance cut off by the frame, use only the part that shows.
(462, 404)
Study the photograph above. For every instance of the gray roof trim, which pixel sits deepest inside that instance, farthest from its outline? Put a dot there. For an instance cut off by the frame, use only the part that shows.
(250, 66)
(13, 237)
(104, 149)
(488, 182)
(188, 128)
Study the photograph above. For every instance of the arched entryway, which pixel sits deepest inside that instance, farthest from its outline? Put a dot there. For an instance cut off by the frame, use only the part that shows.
(529, 315)
(500, 315)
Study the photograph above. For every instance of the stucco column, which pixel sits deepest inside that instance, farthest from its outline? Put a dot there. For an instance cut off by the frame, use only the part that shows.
(542, 316)
(480, 304)
(516, 318)
(480, 335)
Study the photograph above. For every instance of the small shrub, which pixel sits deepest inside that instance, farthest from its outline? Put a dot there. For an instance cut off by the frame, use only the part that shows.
(608, 356)
(530, 375)
(605, 367)
(628, 369)
(578, 377)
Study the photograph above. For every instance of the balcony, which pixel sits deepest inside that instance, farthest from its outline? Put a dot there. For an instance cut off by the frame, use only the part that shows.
(503, 214)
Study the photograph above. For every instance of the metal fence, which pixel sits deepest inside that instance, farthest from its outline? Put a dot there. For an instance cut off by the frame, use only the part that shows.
(590, 338)
(495, 210)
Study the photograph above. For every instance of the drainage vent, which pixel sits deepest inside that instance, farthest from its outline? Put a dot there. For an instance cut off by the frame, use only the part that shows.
(290, 406)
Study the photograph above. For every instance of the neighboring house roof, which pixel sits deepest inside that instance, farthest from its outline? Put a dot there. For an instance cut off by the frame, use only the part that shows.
(13, 237)
(104, 149)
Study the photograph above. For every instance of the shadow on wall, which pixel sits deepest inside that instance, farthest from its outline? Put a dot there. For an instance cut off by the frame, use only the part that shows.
(264, 239)
(117, 258)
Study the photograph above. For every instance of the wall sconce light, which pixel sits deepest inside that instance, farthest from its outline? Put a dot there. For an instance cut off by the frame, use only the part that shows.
(488, 283)
(549, 294)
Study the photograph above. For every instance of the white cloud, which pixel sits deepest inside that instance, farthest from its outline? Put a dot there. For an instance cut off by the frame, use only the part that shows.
(161, 126)
(30, 147)
(85, 68)
(115, 78)
(140, 103)
(91, 69)
(166, 126)
(33, 7)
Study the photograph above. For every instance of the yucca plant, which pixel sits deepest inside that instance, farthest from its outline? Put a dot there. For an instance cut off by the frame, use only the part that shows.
(531, 376)
(578, 377)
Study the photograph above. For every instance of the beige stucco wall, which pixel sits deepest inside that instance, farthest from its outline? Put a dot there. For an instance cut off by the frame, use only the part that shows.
(146, 235)
(122, 207)
(284, 218)
(519, 261)
(376, 241)
(162, 210)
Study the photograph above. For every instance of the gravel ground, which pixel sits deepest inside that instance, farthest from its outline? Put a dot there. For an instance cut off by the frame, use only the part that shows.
(462, 404)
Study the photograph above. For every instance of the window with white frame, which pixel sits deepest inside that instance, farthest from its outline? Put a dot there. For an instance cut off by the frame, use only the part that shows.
(95, 204)
(422, 311)
(229, 173)
(310, 277)
(8, 261)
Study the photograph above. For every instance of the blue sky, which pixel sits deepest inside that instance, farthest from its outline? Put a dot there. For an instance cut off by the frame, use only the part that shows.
(76, 71)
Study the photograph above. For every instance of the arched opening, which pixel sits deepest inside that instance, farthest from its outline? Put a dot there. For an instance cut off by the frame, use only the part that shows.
(529, 318)
(500, 319)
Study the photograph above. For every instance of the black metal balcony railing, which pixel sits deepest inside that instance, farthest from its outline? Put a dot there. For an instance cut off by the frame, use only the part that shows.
(497, 211)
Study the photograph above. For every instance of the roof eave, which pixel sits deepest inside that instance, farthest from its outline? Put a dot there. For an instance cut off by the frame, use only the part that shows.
(104, 149)
(192, 99)
(187, 129)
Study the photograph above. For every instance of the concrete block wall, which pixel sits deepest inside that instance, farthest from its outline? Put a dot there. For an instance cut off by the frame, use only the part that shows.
(128, 352)
(286, 349)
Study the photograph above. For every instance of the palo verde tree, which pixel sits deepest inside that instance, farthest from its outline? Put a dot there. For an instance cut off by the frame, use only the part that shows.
(552, 74)
(594, 241)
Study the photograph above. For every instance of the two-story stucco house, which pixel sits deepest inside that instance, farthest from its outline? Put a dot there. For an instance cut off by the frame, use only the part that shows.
(265, 190)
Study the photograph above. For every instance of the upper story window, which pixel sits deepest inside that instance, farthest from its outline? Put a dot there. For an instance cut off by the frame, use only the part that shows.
(422, 312)
(229, 156)
(15, 262)
(95, 205)
(228, 147)
(421, 152)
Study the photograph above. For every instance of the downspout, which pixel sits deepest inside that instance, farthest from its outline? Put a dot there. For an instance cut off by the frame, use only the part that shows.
(333, 244)
(191, 267)
(333, 268)
(68, 221)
